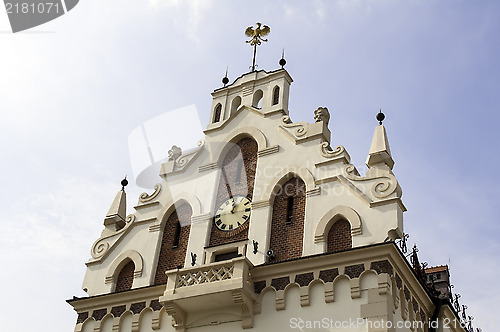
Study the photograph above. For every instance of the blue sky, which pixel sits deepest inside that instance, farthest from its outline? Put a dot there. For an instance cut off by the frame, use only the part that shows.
(73, 89)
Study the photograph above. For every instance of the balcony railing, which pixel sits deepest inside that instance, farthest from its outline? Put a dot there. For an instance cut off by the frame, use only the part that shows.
(222, 284)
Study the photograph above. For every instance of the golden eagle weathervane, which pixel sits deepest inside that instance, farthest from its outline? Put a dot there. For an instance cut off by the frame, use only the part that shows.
(256, 38)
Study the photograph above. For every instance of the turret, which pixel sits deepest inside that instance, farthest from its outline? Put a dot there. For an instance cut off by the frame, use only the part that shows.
(379, 158)
(115, 218)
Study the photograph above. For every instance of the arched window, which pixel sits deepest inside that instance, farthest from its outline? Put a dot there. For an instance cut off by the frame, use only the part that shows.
(125, 277)
(217, 113)
(339, 236)
(287, 225)
(174, 242)
(235, 104)
(236, 179)
(257, 99)
(276, 95)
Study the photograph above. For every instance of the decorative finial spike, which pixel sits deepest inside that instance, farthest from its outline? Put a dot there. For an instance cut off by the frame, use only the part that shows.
(225, 80)
(380, 116)
(282, 60)
(124, 183)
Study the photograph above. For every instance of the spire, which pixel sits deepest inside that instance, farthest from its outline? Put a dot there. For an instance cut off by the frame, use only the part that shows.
(115, 218)
(380, 153)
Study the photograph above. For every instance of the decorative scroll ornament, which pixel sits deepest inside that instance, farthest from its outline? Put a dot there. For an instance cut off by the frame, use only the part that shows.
(326, 150)
(102, 245)
(182, 160)
(299, 129)
(145, 197)
(99, 249)
(384, 186)
(322, 114)
(174, 153)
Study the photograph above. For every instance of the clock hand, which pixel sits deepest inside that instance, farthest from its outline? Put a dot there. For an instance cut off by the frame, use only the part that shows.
(234, 205)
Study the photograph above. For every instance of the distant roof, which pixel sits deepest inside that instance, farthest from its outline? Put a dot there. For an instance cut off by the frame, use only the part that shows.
(439, 268)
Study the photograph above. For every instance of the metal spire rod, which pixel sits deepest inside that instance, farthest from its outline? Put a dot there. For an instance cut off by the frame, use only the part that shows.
(254, 56)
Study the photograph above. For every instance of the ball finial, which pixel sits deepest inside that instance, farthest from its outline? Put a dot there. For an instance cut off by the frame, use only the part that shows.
(124, 183)
(225, 80)
(380, 116)
(282, 60)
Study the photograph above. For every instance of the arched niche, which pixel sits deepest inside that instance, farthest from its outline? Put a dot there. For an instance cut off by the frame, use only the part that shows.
(283, 176)
(257, 99)
(121, 260)
(235, 136)
(179, 199)
(331, 217)
(235, 104)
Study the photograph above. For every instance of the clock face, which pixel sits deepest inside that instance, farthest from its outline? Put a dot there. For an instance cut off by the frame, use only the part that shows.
(233, 213)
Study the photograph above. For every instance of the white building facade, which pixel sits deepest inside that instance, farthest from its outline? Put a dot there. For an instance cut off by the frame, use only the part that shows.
(264, 227)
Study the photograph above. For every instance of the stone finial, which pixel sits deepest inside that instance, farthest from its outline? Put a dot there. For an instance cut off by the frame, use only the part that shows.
(322, 114)
(380, 153)
(174, 153)
(115, 218)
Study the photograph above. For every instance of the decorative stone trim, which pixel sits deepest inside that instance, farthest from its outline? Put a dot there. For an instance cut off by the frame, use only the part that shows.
(304, 279)
(118, 311)
(178, 315)
(382, 267)
(260, 204)
(339, 154)
(313, 192)
(155, 228)
(300, 132)
(246, 306)
(101, 246)
(384, 185)
(354, 271)
(118, 263)
(155, 305)
(280, 283)
(332, 216)
(179, 162)
(247, 90)
(82, 316)
(328, 275)
(268, 151)
(145, 197)
(136, 308)
(201, 218)
(259, 286)
(99, 314)
(207, 167)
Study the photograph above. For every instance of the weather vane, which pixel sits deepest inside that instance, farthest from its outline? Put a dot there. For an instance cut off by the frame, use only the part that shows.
(256, 38)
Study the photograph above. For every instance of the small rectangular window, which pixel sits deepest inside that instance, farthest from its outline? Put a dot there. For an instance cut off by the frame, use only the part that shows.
(177, 235)
(226, 256)
(289, 210)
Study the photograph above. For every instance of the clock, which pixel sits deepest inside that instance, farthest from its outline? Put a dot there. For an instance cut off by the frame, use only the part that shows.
(233, 213)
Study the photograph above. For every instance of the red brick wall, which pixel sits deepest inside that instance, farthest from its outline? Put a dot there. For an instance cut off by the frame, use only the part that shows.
(287, 238)
(246, 150)
(339, 236)
(125, 277)
(171, 257)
